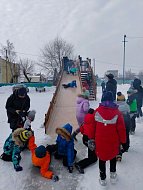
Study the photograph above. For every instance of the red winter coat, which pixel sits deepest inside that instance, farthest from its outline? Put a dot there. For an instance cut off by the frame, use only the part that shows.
(110, 132)
(88, 127)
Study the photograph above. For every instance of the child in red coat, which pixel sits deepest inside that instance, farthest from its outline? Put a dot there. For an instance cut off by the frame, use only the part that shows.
(109, 134)
(88, 131)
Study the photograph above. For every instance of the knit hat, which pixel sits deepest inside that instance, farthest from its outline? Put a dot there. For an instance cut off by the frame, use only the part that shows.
(20, 136)
(91, 111)
(120, 96)
(40, 151)
(24, 135)
(107, 96)
(110, 76)
(31, 115)
(21, 91)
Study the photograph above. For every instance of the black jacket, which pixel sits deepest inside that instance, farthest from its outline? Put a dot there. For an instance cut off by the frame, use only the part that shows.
(15, 103)
(139, 97)
(111, 85)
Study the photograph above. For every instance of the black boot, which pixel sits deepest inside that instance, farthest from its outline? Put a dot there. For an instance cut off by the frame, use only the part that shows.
(81, 170)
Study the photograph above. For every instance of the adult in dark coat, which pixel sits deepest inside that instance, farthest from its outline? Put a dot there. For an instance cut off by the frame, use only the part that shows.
(139, 96)
(103, 86)
(17, 106)
(111, 85)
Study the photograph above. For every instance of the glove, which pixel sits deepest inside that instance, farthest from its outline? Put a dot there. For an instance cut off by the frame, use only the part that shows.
(70, 168)
(91, 144)
(18, 168)
(55, 178)
(74, 135)
(124, 148)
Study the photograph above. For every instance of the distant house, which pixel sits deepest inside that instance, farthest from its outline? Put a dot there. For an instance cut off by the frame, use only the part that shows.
(9, 72)
(36, 78)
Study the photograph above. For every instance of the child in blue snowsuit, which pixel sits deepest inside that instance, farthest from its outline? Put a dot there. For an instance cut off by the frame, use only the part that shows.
(71, 84)
(64, 147)
(13, 146)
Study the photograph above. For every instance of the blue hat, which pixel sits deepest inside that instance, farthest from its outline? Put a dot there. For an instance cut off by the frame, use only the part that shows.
(22, 91)
(40, 151)
(107, 96)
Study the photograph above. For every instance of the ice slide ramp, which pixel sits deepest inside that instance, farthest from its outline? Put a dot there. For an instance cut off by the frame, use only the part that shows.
(62, 109)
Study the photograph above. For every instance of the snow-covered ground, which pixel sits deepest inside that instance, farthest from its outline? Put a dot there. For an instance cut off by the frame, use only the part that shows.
(129, 170)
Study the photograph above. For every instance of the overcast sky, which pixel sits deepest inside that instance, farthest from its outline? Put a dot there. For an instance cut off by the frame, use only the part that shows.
(95, 28)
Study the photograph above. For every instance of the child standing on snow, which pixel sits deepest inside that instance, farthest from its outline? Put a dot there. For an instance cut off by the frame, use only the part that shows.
(41, 158)
(125, 109)
(82, 107)
(13, 146)
(110, 132)
(64, 147)
(131, 101)
(88, 131)
(30, 117)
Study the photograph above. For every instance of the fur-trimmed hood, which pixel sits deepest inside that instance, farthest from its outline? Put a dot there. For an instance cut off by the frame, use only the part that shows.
(65, 131)
(16, 136)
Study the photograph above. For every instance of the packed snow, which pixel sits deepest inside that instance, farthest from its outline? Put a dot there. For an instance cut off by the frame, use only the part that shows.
(129, 171)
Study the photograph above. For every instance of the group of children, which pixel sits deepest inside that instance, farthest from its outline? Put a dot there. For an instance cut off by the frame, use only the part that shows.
(105, 132)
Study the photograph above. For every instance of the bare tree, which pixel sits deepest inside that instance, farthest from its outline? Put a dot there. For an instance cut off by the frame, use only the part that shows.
(140, 75)
(27, 67)
(53, 52)
(129, 74)
(9, 54)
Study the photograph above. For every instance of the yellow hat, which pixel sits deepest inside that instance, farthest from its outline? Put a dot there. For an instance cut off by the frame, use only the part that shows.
(24, 135)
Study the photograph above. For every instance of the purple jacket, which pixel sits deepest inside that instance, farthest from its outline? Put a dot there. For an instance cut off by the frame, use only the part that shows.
(82, 108)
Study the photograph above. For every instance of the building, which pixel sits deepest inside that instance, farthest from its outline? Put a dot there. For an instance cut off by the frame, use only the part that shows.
(36, 78)
(9, 72)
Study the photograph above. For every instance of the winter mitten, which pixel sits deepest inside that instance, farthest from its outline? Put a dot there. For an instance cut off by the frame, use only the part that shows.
(70, 168)
(55, 178)
(18, 168)
(91, 144)
(124, 148)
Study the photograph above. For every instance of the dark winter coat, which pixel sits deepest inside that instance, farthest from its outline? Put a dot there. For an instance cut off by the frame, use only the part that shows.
(15, 103)
(111, 85)
(65, 143)
(110, 131)
(88, 127)
(139, 97)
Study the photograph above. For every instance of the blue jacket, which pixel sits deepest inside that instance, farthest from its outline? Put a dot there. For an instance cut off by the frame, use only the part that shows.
(66, 147)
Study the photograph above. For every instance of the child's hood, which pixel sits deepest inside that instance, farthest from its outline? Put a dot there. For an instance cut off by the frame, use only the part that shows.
(65, 131)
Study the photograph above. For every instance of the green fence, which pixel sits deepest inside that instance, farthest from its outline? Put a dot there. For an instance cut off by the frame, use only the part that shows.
(32, 84)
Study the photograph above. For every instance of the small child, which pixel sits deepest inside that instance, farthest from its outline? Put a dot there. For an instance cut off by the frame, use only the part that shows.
(131, 101)
(64, 147)
(41, 158)
(13, 146)
(88, 131)
(71, 84)
(30, 117)
(85, 92)
(125, 109)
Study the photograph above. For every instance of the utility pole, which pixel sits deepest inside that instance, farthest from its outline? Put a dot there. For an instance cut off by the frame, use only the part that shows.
(124, 41)
(6, 65)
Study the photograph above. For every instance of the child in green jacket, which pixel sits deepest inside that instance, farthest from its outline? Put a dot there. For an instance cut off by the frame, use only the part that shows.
(131, 101)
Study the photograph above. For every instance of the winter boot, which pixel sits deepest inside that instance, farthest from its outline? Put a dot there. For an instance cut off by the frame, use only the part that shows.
(79, 168)
(103, 182)
(113, 177)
